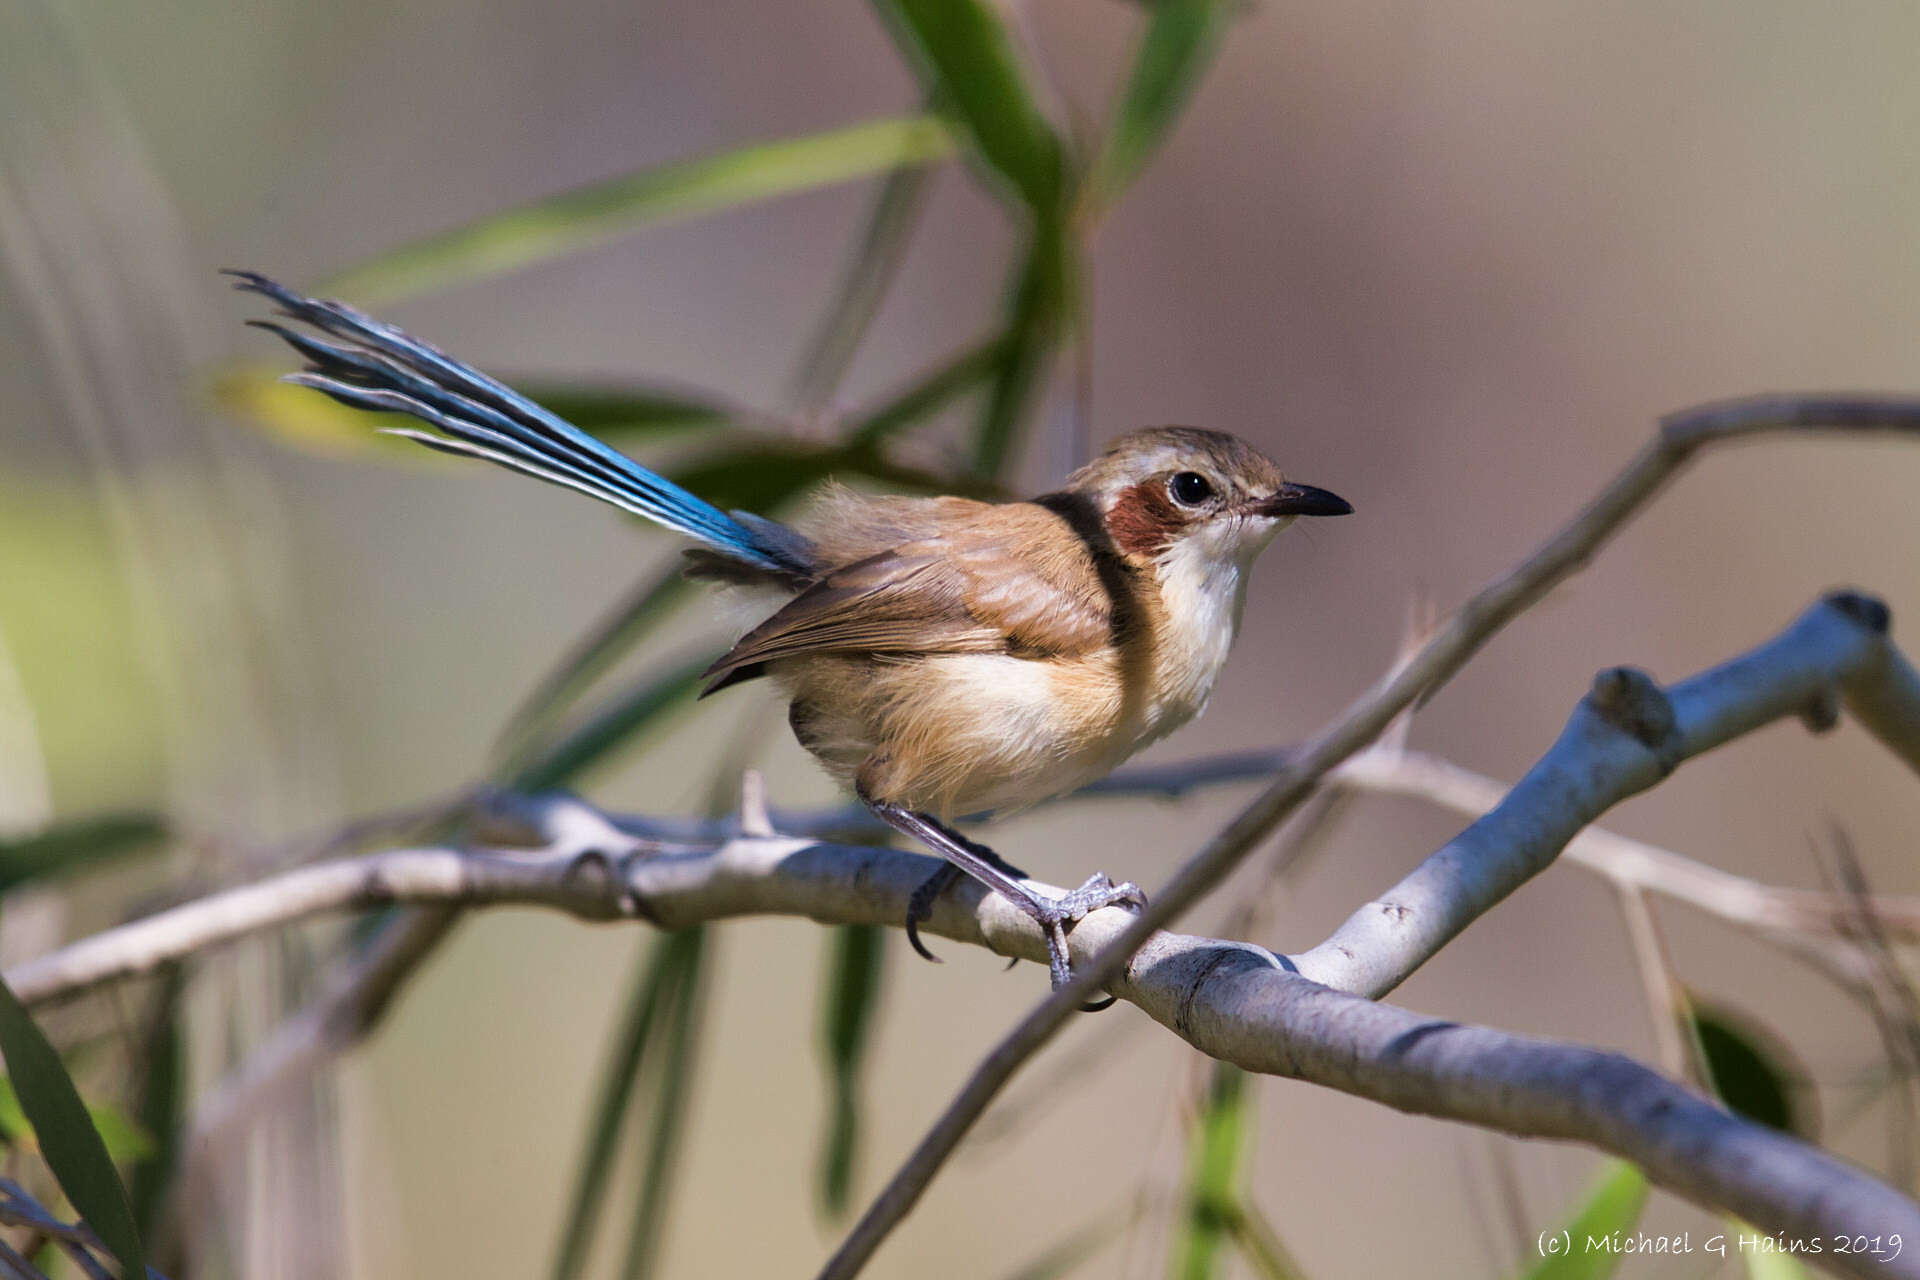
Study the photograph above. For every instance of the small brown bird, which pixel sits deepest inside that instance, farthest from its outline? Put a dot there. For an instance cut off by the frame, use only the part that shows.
(942, 656)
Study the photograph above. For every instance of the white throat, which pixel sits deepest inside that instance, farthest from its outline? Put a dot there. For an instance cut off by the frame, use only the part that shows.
(1203, 588)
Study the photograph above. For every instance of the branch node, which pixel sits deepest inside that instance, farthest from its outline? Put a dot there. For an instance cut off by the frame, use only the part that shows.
(605, 874)
(1632, 702)
(1868, 611)
(754, 818)
(1823, 713)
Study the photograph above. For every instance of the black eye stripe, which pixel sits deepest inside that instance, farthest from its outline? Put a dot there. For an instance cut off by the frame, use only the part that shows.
(1189, 488)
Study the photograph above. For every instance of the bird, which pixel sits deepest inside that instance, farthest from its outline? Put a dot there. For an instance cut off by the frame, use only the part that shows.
(945, 657)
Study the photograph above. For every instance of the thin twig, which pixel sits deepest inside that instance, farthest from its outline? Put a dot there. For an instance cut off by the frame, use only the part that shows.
(1667, 1004)
(354, 994)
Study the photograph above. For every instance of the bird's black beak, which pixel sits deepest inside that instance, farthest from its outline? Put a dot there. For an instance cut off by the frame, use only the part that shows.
(1300, 500)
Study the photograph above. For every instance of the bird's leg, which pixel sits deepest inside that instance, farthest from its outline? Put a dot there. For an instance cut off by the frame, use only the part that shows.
(920, 905)
(1055, 916)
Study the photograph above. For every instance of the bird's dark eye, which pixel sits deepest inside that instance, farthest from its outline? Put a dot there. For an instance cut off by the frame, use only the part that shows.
(1190, 488)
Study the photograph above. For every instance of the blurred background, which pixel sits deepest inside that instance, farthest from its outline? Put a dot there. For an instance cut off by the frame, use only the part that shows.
(1448, 260)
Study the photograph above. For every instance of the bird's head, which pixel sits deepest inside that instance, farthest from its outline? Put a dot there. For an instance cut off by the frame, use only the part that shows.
(1187, 494)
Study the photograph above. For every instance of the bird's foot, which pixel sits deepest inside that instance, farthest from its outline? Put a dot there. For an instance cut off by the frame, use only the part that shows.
(1057, 916)
(920, 905)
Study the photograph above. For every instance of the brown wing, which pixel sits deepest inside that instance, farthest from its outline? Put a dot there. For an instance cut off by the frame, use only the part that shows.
(1015, 578)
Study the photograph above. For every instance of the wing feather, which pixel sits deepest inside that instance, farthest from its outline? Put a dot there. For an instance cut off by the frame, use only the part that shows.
(1013, 579)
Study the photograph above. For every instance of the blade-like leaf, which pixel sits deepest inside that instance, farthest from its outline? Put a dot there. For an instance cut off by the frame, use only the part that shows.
(929, 393)
(659, 972)
(1261, 1246)
(611, 639)
(314, 423)
(966, 56)
(68, 1140)
(687, 1006)
(72, 846)
(876, 258)
(301, 419)
(1213, 1175)
(1612, 1206)
(589, 215)
(1068, 1255)
(1174, 51)
(1036, 307)
(1750, 1071)
(762, 474)
(124, 1137)
(618, 412)
(1774, 1265)
(545, 766)
(161, 1101)
(858, 961)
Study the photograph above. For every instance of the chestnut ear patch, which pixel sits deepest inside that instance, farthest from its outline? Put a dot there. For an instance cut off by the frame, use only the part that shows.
(1143, 519)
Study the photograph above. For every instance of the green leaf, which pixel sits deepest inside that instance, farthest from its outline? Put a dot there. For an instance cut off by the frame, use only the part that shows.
(967, 57)
(611, 639)
(659, 972)
(1261, 1246)
(1067, 1255)
(622, 412)
(590, 215)
(853, 993)
(1037, 305)
(76, 845)
(1213, 1174)
(877, 254)
(1178, 44)
(928, 393)
(314, 423)
(72, 1146)
(161, 1105)
(542, 767)
(760, 474)
(763, 474)
(1749, 1070)
(669, 1109)
(1767, 1266)
(1614, 1205)
(306, 420)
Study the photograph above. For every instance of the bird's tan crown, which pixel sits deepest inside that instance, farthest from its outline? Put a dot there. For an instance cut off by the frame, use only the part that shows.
(1152, 452)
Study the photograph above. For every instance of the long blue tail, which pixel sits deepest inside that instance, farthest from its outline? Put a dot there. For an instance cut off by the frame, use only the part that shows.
(376, 366)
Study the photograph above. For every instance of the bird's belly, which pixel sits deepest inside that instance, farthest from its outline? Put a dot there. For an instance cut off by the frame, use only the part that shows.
(954, 734)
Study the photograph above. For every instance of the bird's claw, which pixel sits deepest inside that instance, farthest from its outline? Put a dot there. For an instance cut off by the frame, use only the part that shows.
(920, 906)
(1100, 892)
(1057, 916)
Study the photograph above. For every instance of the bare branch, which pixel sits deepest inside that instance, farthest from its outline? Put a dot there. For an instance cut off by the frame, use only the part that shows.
(1459, 637)
(1232, 1000)
(1623, 738)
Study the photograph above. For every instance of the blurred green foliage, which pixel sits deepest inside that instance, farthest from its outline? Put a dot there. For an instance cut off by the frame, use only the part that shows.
(1214, 1170)
(1749, 1070)
(578, 219)
(1613, 1205)
(74, 1148)
(69, 847)
(852, 996)
(69, 629)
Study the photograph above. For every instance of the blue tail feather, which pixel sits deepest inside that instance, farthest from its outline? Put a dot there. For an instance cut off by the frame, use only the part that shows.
(375, 366)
